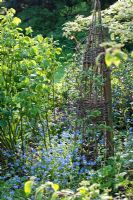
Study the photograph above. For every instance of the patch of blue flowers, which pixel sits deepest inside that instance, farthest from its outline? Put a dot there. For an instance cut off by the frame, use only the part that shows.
(60, 163)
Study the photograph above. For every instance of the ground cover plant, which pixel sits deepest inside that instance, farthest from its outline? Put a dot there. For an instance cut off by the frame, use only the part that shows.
(44, 153)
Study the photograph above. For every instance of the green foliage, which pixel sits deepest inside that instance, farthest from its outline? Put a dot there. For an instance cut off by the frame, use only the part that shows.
(113, 54)
(40, 19)
(47, 17)
(108, 180)
(6, 187)
(26, 81)
(122, 94)
(33, 107)
(42, 189)
(85, 191)
(118, 19)
(111, 180)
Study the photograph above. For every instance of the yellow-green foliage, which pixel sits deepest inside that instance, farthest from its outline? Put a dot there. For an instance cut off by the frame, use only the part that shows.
(27, 67)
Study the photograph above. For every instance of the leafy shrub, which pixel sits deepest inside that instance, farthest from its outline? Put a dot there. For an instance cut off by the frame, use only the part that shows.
(26, 82)
(118, 19)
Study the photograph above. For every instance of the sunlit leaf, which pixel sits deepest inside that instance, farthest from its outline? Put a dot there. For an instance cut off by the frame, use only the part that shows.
(16, 21)
(12, 10)
(40, 38)
(83, 190)
(28, 30)
(125, 56)
(58, 50)
(55, 187)
(34, 50)
(108, 59)
(28, 187)
(116, 61)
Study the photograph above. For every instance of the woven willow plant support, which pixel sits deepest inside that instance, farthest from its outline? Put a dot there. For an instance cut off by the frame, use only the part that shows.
(94, 106)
